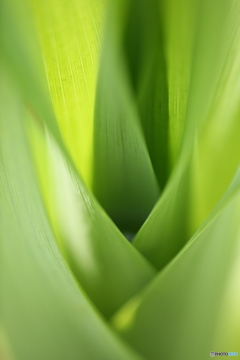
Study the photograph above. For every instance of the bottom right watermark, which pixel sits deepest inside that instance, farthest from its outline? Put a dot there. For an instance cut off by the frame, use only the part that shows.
(214, 353)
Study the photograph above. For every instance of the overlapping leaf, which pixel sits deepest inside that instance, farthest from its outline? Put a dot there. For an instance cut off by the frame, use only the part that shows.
(211, 133)
(45, 314)
(122, 165)
(196, 295)
(89, 240)
(166, 97)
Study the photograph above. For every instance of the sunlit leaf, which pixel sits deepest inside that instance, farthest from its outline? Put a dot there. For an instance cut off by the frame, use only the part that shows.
(87, 237)
(71, 35)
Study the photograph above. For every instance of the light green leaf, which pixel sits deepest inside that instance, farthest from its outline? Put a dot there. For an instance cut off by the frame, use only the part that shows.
(104, 262)
(191, 307)
(20, 55)
(200, 179)
(45, 314)
(179, 22)
(141, 99)
(70, 34)
(88, 237)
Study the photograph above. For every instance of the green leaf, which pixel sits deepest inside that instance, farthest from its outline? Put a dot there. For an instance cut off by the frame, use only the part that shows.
(147, 71)
(142, 98)
(106, 265)
(88, 238)
(45, 314)
(20, 56)
(211, 133)
(122, 166)
(191, 307)
(71, 34)
(179, 22)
